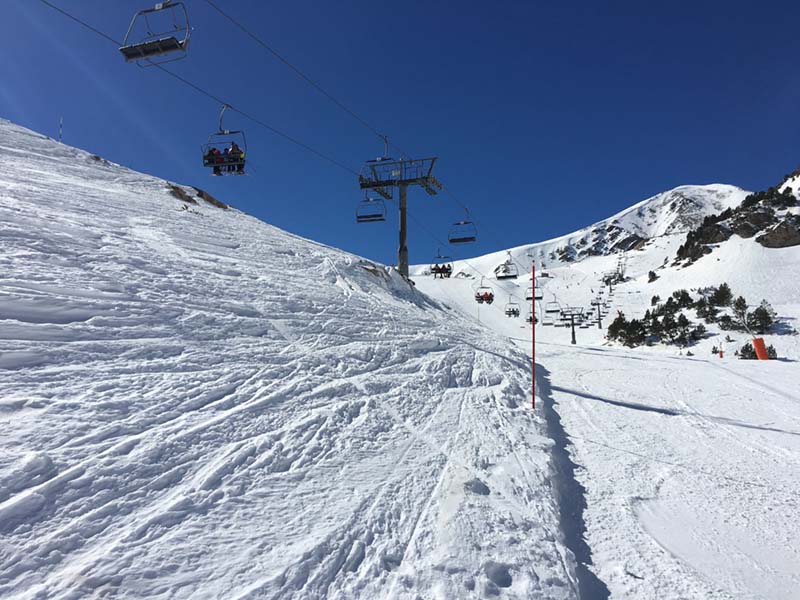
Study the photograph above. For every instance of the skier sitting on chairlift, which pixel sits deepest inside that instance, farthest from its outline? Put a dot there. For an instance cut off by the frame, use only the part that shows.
(214, 157)
(235, 154)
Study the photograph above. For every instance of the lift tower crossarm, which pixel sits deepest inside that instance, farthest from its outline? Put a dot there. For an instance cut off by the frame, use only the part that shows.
(382, 174)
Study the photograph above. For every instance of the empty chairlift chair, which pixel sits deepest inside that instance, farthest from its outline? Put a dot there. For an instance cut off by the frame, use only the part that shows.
(157, 35)
(462, 232)
(507, 269)
(534, 293)
(371, 210)
(552, 308)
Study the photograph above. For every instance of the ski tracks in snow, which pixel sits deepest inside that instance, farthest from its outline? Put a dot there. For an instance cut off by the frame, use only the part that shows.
(702, 474)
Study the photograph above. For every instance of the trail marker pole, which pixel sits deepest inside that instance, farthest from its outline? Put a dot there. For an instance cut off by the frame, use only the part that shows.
(533, 336)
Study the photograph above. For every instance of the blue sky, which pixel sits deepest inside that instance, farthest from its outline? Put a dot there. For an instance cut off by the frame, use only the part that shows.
(545, 116)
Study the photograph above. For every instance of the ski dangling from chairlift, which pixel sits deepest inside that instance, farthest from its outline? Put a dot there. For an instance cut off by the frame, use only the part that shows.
(442, 266)
(157, 35)
(462, 232)
(507, 269)
(225, 151)
(484, 294)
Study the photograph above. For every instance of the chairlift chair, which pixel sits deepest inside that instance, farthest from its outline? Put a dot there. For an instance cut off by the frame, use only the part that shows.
(157, 42)
(215, 150)
(534, 293)
(462, 232)
(484, 293)
(442, 266)
(371, 210)
(507, 270)
(512, 309)
(552, 307)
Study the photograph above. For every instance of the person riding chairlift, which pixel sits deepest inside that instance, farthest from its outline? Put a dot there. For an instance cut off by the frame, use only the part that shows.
(214, 157)
(235, 154)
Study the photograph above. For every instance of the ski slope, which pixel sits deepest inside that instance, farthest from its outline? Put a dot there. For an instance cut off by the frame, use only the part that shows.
(194, 404)
(686, 467)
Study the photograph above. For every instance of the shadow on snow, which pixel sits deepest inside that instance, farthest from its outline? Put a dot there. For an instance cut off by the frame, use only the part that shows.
(571, 495)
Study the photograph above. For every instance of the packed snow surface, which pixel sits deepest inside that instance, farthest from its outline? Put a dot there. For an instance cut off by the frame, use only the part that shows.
(194, 404)
(687, 467)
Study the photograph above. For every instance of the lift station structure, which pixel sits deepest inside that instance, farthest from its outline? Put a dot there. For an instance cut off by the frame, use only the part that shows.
(383, 174)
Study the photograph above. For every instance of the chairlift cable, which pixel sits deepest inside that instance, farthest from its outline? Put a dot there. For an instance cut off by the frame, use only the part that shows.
(319, 88)
(79, 21)
(260, 122)
(301, 74)
(209, 94)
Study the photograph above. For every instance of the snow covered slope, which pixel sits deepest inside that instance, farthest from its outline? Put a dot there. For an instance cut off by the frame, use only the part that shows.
(689, 464)
(194, 404)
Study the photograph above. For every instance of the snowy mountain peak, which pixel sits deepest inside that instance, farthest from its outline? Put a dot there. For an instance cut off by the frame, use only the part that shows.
(674, 212)
(683, 208)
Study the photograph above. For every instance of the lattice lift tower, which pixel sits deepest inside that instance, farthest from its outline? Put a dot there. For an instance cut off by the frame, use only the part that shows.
(383, 174)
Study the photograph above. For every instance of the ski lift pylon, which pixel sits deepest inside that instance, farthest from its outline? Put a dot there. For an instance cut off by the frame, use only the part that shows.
(150, 46)
(226, 150)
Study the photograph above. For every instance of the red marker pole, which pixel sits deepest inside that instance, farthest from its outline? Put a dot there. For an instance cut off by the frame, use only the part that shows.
(533, 335)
